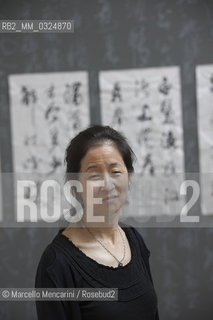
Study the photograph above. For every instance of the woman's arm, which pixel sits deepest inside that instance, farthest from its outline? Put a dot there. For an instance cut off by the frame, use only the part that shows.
(53, 310)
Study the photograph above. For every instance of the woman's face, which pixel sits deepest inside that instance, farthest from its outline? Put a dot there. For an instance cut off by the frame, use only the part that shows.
(104, 164)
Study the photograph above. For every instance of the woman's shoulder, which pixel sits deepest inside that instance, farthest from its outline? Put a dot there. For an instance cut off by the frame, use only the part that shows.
(53, 268)
(48, 257)
(51, 256)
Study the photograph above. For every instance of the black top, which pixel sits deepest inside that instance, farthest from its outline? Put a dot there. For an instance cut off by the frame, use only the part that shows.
(63, 265)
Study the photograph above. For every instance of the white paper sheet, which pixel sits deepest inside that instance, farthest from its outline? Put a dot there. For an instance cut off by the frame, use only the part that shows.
(204, 80)
(145, 105)
(47, 110)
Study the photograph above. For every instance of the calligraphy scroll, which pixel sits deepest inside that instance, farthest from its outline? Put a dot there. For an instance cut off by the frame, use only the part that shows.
(145, 105)
(47, 110)
(204, 79)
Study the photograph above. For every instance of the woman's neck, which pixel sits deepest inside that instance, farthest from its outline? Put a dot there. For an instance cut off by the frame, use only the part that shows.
(108, 233)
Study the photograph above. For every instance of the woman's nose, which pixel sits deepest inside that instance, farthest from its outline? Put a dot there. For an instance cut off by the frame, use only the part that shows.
(108, 183)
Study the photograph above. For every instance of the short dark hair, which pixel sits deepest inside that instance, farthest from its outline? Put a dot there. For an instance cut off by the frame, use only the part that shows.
(96, 135)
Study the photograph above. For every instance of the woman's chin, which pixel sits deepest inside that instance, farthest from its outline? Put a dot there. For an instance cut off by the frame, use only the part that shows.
(103, 213)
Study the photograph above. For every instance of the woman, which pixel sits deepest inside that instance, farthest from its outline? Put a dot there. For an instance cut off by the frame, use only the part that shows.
(98, 251)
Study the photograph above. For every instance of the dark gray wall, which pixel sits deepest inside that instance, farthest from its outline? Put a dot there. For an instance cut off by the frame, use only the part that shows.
(114, 34)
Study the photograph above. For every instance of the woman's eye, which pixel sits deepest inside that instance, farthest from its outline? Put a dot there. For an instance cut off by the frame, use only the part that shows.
(94, 176)
(98, 176)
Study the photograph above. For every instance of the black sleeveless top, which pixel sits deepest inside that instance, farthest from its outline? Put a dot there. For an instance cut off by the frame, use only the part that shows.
(63, 265)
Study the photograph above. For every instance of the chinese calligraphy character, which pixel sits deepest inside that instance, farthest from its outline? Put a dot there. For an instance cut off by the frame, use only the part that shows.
(117, 116)
(146, 114)
(148, 164)
(51, 114)
(169, 168)
(72, 94)
(144, 137)
(116, 92)
(165, 87)
(28, 96)
(168, 140)
(211, 83)
(170, 195)
(51, 92)
(166, 109)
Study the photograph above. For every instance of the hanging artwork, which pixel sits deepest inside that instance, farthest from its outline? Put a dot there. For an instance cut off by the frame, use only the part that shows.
(145, 105)
(204, 79)
(47, 110)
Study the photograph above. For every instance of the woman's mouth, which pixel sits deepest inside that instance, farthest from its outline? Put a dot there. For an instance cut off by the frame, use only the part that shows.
(110, 198)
